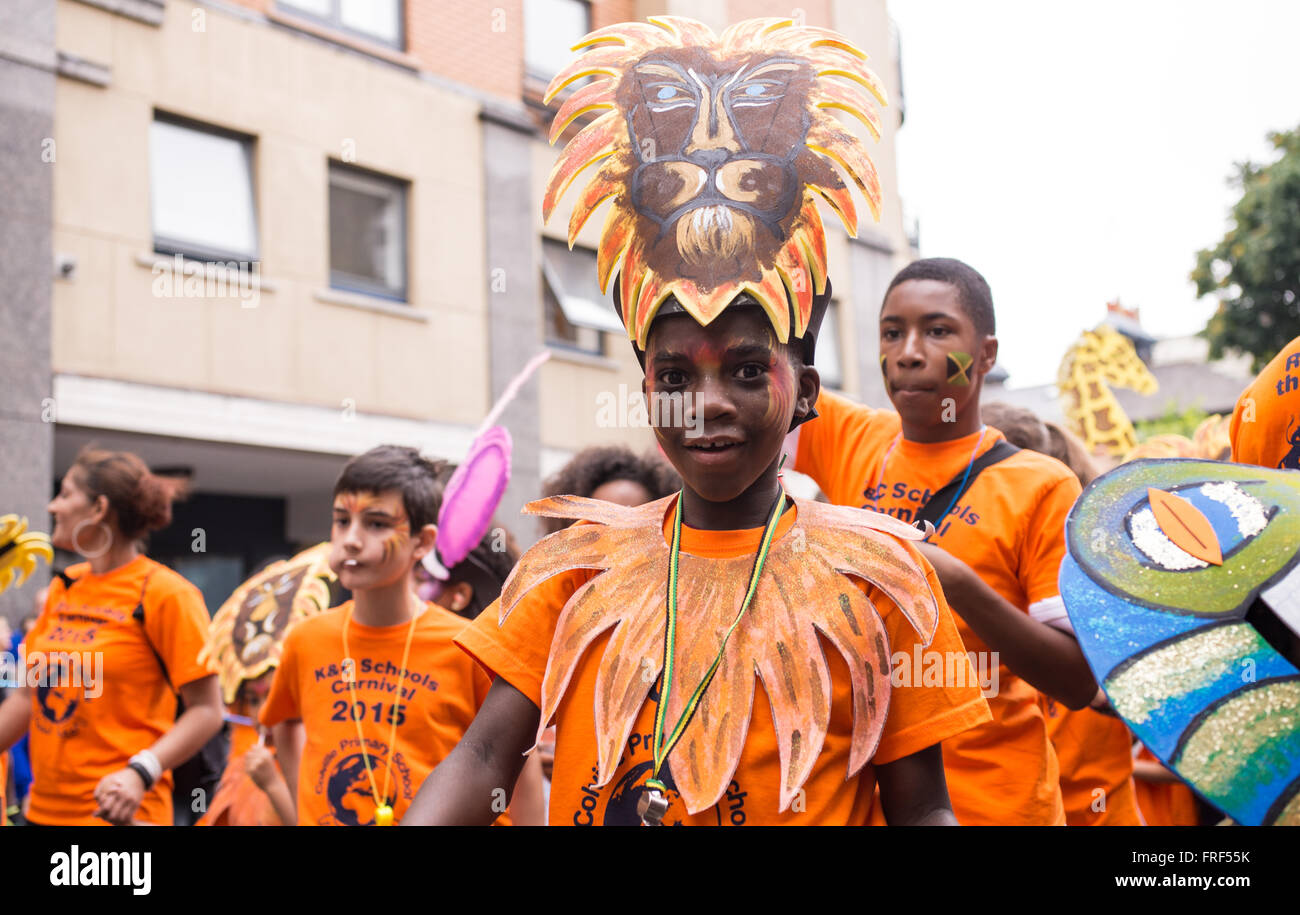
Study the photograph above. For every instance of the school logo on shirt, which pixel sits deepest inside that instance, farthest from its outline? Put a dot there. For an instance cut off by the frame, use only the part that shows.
(345, 783)
(58, 703)
(916, 497)
(621, 809)
(620, 800)
(1291, 460)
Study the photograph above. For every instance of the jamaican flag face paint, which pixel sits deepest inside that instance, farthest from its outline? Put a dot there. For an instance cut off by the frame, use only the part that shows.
(959, 365)
(884, 374)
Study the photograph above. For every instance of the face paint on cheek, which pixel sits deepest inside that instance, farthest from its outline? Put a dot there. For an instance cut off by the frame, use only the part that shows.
(398, 539)
(884, 374)
(780, 396)
(959, 366)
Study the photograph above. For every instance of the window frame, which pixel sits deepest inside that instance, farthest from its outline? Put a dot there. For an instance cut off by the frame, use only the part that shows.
(170, 245)
(837, 345)
(531, 73)
(552, 298)
(334, 22)
(349, 282)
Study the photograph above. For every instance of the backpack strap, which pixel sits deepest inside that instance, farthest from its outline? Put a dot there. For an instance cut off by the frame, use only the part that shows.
(954, 489)
(138, 615)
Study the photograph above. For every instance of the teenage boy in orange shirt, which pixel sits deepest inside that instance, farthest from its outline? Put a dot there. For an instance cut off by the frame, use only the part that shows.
(371, 695)
(643, 634)
(997, 546)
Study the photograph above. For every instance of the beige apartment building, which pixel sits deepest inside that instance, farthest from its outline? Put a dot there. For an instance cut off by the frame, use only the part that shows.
(250, 238)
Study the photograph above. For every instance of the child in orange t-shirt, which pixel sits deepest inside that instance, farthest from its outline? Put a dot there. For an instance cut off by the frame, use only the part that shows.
(371, 695)
(997, 546)
(742, 756)
(1265, 427)
(252, 790)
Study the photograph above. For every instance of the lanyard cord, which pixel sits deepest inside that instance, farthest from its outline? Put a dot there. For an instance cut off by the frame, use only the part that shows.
(961, 488)
(662, 746)
(380, 800)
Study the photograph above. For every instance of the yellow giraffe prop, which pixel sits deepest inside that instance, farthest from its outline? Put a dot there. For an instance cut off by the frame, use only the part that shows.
(19, 550)
(1100, 358)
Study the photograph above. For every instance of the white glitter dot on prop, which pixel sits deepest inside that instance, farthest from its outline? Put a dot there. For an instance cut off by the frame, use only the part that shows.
(1147, 537)
(1246, 510)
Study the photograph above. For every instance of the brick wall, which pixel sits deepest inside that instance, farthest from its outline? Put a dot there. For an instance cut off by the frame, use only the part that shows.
(477, 42)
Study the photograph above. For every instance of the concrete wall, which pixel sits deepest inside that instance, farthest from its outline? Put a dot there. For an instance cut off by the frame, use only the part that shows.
(28, 160)
(305, 103)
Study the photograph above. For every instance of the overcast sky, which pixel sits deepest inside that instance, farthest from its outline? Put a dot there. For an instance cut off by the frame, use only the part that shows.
(1074, 152)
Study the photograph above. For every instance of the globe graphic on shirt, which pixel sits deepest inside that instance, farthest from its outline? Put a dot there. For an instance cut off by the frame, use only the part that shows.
(348, 790)
(57, 704)
(621, 809)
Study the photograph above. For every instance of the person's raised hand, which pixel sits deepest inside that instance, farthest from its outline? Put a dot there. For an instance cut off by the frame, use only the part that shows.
(259, 763)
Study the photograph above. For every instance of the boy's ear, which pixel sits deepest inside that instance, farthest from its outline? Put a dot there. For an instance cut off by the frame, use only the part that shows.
(988, 355)
(810, 386)
(425, 540)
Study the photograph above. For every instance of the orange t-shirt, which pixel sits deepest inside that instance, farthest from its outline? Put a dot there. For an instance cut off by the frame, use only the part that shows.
(1096, 756)
(1265, 427)
(111, 700)
(238, 801)
(439, 698)
(1165, 803)
(919, 716)
(1009, 527)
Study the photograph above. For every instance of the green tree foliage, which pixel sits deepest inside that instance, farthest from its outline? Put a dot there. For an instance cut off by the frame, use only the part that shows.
(1173, 420)
(1256, 267)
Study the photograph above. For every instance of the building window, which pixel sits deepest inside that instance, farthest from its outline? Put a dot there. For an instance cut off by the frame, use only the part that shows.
(367, 232)
(373, 20)
(551, 27)
(577, 315)
(201, 191)
(828, 353)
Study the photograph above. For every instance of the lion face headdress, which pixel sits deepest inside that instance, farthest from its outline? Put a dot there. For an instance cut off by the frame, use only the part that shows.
(714, 151)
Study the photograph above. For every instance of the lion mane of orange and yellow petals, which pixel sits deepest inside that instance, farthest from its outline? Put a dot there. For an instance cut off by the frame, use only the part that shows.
(804, 596)
(786, 286)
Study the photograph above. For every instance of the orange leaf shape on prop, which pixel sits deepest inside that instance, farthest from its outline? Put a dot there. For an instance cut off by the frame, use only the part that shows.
(1185, 525)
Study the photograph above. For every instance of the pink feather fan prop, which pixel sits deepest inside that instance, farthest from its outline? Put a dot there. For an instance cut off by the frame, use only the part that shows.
(476, 487)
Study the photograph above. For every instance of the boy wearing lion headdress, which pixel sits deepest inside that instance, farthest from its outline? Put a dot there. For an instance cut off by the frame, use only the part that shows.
(641, 633)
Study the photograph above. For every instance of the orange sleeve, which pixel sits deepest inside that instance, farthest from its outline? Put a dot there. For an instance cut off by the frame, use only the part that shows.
(921, 711)
(1043, 548)
(519, 649)
(1266, 415)
(282, 701)
(177, 624)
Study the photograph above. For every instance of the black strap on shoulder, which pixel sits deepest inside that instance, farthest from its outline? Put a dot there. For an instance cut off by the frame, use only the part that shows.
(138, 615)
(954, 489)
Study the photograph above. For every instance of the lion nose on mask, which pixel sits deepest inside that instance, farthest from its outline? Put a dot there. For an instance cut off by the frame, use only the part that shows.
(710, 158)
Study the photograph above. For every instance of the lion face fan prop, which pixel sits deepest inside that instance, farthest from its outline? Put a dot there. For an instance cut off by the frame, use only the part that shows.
(247, 634)
(714, 151)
